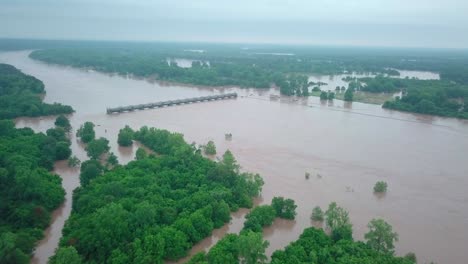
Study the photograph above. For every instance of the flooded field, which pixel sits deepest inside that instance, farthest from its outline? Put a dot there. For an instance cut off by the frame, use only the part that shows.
(351, 145)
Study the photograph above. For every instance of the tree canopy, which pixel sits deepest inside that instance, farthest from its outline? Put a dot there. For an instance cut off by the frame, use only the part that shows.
(20, 95)
(154, 208)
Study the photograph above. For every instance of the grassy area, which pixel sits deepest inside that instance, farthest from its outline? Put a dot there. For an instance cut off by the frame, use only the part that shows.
(363, 97)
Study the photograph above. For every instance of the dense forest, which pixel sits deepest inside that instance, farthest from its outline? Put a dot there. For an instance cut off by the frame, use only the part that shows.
(28, 191)
(434, 97)
(20, 95)
(156, 207)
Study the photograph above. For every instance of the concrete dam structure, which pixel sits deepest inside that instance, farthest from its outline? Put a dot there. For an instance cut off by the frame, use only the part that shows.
(121, 109)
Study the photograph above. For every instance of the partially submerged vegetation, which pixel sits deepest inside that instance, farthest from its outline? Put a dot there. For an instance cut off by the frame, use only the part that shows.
(29, 191)
(20, 95)
(380, 187)
(156, 207)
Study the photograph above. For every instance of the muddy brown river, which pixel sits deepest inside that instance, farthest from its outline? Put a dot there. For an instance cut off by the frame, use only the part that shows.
(423, 159)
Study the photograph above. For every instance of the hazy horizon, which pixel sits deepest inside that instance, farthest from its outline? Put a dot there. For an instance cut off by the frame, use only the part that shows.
(378, 23)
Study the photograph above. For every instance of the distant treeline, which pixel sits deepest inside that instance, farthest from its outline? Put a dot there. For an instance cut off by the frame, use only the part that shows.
(20, 95)
(254, 67)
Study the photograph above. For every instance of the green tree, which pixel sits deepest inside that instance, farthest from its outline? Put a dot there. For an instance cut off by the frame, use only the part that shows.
(140, 154)
(285, 208)
(381, 236)
(62, 150)
(337, 220)
(9, 250)
(330, 95)
(97, 147)
(90, 169)
(317, 214)
(348, 95)
(259, 217)
(73, 162)
(210, 148)
(125, 136)
(62, 121)
(66, 255)
(112, 159)
(323, 95)
(86, 132)
(251, 248)
(230, 161)
(380, 187)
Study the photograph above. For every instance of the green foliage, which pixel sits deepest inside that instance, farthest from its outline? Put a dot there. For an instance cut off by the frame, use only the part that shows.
(285, 208)
(112, 159)
(97, 147)
(314, 246)
(230, 161)
(86, 132)
(294, 85)
(349, 94)
(155, 208)
(261, 216)
(381, 236)
(210, 148)
(380, 187)
(90, 170)
(66, 255)
(20, 95)
(317, 214)
(140, 154)
(125, 136)
(249, 248)
(434, 97)
(29, 193)
(63, 122)
(337, 220)
(323, 95)
(73, 162)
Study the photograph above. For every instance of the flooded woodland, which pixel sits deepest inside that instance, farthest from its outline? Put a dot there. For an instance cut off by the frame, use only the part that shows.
(346, 147)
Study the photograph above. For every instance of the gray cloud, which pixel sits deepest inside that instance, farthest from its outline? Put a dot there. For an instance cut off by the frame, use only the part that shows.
(425, 23)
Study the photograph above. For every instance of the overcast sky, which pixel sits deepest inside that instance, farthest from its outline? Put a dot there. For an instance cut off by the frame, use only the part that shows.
(400, 23)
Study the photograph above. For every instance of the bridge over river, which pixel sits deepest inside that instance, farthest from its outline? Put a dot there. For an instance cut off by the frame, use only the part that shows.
(130, 108)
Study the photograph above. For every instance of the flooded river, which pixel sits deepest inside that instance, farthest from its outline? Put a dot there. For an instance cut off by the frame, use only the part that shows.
(352, 146)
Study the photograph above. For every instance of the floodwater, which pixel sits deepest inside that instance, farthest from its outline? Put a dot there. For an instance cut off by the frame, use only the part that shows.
(351, 145)
(332, 81)
(185, 63)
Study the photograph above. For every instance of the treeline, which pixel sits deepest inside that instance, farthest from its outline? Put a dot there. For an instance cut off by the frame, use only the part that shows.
(28, 191)
(20, 95)
(433, 97)
(156, 207)
(255, 67)
(315, 246)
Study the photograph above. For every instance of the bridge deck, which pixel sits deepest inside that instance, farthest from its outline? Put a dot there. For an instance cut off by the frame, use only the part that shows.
(130, 108)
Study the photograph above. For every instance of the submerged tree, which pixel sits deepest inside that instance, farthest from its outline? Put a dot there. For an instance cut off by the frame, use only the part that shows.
(62, 121)
(285, 208)
(125, 136)
(210, 148)
(86, 132)
(317, 214)
(97, 147)
(381, 236)
(337, 220)
(380, 187)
